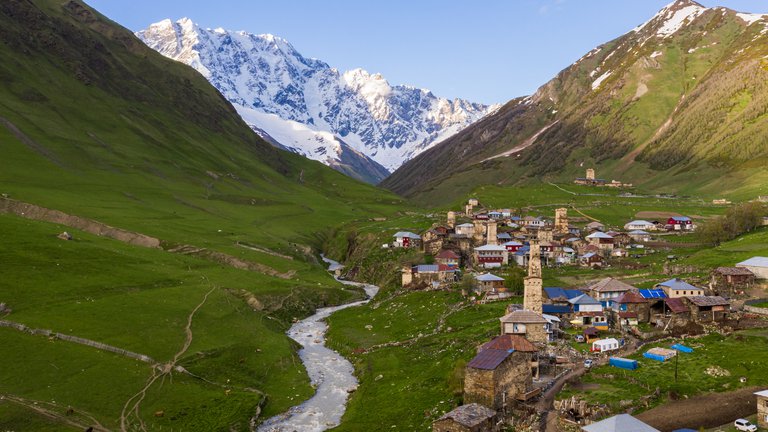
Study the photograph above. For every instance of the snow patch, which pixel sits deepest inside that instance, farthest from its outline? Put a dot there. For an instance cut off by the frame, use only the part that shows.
(751, 18)
(656, 54)
(596, 83)
(672, 20)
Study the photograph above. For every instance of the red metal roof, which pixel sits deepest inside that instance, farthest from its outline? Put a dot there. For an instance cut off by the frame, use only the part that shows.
(676, 305)
(627, 314)
(447, 254)
(489, 359)
(631, 297)
(509, 342)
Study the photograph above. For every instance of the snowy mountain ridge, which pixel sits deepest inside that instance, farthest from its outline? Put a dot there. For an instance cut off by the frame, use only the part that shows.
(309, 107)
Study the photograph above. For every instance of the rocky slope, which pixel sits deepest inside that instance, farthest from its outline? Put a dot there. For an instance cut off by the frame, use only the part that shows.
(678, 103)
(353, 119)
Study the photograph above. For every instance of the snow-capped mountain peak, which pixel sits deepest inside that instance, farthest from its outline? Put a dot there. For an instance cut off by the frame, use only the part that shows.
(270, 82)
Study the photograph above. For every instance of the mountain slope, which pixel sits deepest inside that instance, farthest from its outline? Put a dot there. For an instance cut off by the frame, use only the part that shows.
(264, 74)
(95, 124)
(676, 104)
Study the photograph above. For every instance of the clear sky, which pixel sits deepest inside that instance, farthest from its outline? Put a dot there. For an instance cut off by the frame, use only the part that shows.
(484, 50)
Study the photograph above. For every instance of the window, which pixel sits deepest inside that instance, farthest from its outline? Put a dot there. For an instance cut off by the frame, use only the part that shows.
(765, 403)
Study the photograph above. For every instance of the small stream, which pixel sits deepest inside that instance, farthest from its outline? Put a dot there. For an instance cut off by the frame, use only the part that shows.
(331, 374)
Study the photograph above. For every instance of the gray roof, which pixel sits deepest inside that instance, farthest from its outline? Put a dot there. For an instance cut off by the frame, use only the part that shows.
(583, 300)
(523, 316)
(469, 415)
(488, 278)
(427, 268)
(619, 423)
(638, 232)
(679, 284)
(639, 222)
(407, 234)
(598, 234)
(763, 393)
(754, 262)
(704, 301)
(487, 247)
(611, 285)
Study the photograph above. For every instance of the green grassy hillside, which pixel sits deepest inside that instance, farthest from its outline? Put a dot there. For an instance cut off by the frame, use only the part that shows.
(680, 113)
(96, 125)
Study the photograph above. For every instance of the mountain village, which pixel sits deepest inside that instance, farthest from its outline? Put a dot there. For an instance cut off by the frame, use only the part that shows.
(204, 229)
(561, 332)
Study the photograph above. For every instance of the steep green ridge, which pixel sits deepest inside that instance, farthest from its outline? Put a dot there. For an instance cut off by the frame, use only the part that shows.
(678, 113)
(95, 124)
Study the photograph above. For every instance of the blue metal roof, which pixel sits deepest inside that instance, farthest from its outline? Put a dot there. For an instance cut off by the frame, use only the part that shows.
(555, 309)
(556, 292)
(652, 293)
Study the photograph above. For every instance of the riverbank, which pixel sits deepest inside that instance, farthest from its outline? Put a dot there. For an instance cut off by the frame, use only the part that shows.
(330, 373)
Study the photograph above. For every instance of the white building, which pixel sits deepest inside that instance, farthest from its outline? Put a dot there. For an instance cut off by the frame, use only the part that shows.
(757, 265)
(640, 225)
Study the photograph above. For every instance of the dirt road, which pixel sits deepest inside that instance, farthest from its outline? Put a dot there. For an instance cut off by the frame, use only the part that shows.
(707, 411)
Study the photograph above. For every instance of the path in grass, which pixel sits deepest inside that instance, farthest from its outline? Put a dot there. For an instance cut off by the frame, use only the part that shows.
(331, 374)
(51, 410)
(167, 369)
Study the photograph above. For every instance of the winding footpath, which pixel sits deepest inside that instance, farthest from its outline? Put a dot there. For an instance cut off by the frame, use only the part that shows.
(331, 374)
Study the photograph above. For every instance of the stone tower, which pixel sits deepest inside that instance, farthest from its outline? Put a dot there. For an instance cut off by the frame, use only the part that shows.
(479, 232)
(468, 209)
(407, 276)
(451, 219)
(561, 220)
(533, 295)
(491, 233)
(590, 173)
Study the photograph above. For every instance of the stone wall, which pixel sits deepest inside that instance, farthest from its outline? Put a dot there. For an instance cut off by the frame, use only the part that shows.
(489, 387)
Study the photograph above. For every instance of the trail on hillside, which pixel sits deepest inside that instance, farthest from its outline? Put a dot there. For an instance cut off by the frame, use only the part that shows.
(72, 417)
(133, 410)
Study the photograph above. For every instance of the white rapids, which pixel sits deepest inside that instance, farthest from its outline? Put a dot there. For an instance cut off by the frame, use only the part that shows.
(331, 374)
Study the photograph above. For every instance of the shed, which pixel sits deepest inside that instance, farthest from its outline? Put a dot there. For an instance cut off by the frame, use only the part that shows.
(619, 423)
(467, 418)
(623, 363)
(757, 265)
(682, 348)
(603, 345)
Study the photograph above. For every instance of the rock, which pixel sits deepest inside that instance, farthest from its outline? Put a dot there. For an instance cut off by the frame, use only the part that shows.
(65, 236)
(378, 377)
(159, 413)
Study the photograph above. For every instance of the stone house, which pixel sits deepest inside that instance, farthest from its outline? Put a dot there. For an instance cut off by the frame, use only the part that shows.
(708, 308)
(489, 283)
(448, 258)
(595, 226)
(639, 236)
(466, 229)
(514, 343)
(467, 418)
(434, 275)
(603, 241)
(531, 325)
(762, 409)
(728, 279)
(592, 260)
(496, 377)
(631, 303)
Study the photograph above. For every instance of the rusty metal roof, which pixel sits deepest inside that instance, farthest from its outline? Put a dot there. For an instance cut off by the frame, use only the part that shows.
(676, 305)
(510, 342)
(489, 359)
(704, 301)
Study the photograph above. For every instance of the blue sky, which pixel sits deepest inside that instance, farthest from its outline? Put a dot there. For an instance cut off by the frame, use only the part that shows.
(484, 51)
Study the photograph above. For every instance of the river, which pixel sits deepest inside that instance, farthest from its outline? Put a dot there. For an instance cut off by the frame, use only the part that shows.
(331, 375)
